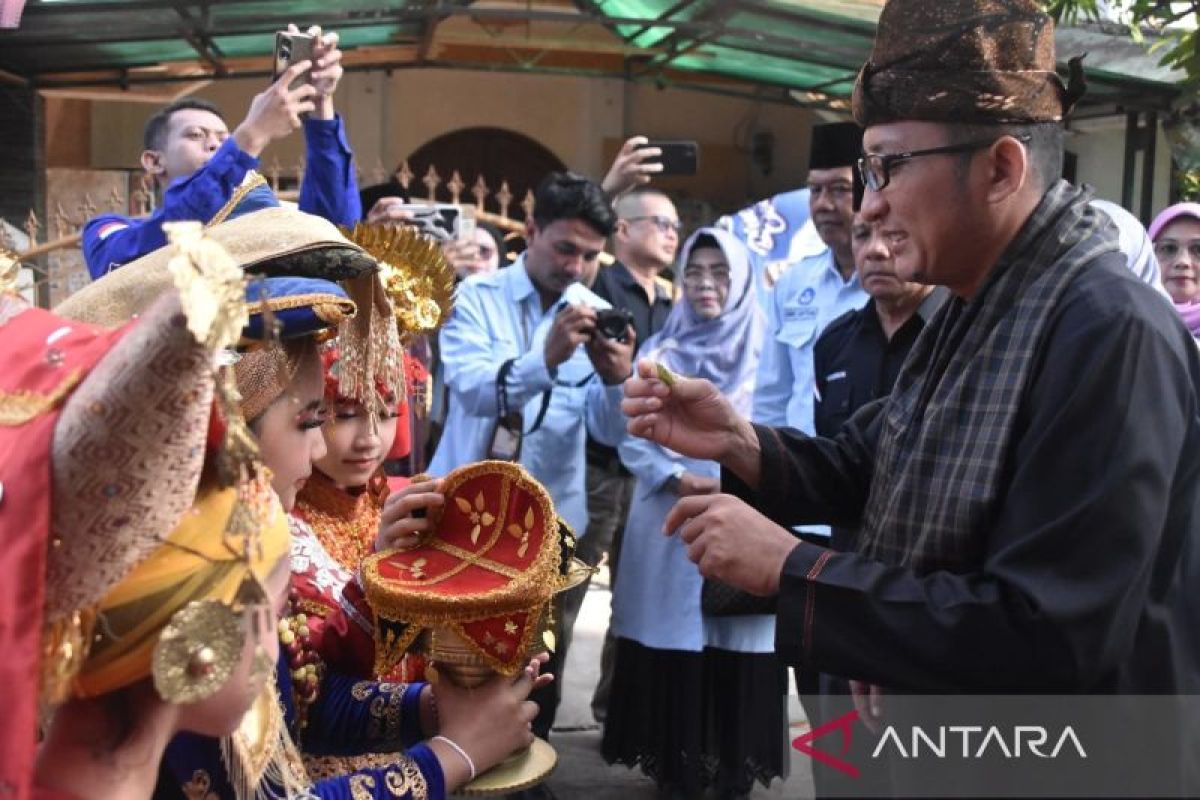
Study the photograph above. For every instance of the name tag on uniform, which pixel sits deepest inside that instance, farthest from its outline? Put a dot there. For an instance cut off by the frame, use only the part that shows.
(836, 376)
(799, 313)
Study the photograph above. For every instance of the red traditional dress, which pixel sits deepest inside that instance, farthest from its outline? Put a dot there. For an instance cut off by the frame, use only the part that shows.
(46, 358)
(333, 530)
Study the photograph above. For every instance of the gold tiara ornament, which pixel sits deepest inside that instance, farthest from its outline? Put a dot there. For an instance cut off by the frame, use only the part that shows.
(418, 280)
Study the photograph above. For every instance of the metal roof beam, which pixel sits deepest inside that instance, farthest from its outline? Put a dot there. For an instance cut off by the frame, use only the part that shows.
(86, 36)
(796, 14)
(87, 33)
(195, 36)
(682, 5)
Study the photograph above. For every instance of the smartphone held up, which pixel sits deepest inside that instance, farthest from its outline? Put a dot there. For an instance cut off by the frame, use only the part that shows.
(677, 157)
(292, 48)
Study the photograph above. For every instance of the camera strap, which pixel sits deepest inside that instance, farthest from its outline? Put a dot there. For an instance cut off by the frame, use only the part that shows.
(502, 396)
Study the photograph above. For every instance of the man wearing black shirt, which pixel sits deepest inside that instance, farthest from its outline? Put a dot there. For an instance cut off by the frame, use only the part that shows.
(857, 358)
(645, 241)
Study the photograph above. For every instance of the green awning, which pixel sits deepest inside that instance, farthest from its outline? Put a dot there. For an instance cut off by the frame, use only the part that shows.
(776, 49)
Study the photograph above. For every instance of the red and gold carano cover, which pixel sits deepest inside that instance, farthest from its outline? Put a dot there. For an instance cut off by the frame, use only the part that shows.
(497, 556)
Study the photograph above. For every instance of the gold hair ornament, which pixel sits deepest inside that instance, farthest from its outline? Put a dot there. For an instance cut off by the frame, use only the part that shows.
(197, 651)
(414, 272)
(212, 292)
(10, 270)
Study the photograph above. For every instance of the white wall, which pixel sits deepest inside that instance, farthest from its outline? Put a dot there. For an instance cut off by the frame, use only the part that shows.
(1100, 146)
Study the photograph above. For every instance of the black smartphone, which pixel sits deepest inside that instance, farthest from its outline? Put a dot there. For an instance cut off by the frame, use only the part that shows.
(291, 48)
(678, 157)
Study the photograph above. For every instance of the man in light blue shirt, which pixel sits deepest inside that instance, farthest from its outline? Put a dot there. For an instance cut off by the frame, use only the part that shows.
(816, 290)
(534, 325)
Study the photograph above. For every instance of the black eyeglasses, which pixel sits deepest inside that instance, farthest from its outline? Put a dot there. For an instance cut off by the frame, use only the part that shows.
(664, 224)
(876, 168)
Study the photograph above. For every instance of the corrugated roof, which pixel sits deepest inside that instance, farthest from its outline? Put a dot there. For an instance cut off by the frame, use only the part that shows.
(808, 50)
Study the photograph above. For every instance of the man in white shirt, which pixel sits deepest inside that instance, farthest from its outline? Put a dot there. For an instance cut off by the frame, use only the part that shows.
(816, 290)
(528, 371)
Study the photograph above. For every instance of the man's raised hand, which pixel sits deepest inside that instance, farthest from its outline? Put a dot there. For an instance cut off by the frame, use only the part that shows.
(327, 69)
(275, 112)
(633, 166)
(690, 416)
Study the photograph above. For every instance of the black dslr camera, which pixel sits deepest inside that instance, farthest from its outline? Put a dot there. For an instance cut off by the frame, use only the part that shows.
(612, 323)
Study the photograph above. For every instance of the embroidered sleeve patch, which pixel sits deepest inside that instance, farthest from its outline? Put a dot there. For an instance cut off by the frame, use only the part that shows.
(110, 228)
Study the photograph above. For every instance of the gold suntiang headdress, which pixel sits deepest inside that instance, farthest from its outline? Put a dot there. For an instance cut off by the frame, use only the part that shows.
(410, 296)
(414, 273)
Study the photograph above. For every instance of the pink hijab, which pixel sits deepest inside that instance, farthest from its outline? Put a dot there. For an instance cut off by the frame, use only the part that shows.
(1189, 312)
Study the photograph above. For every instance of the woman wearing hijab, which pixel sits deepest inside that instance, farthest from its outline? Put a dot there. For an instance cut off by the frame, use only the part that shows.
(1176, 236)
(697, 700)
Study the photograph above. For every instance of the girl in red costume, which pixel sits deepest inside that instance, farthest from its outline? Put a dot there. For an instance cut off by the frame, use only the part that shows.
(346, 511)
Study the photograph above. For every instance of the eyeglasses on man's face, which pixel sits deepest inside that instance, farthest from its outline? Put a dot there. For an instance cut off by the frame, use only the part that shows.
(664, 224)
(876, 168)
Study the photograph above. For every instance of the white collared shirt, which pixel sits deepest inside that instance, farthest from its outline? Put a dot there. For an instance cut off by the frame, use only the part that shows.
(808, 296)
(498, 317)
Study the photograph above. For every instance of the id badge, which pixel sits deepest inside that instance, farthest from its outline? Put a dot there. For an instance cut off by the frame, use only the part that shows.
(506, 439)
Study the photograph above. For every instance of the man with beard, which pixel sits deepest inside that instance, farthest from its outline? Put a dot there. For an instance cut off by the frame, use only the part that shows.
(528, 372)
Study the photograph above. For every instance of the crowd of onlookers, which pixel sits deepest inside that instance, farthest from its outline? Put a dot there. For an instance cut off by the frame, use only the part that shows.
(792, 308)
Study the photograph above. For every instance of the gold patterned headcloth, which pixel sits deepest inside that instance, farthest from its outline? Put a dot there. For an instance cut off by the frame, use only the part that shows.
(263, 375)
(132, 442)
(273, 241)
(205, 563)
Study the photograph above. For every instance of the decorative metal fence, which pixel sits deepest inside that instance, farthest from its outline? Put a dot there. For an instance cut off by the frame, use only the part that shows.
(49, 249)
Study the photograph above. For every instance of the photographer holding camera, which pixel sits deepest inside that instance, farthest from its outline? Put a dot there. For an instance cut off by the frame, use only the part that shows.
(528, 367)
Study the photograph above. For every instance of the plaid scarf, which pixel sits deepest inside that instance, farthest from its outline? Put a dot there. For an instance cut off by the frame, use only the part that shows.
(947, 438)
